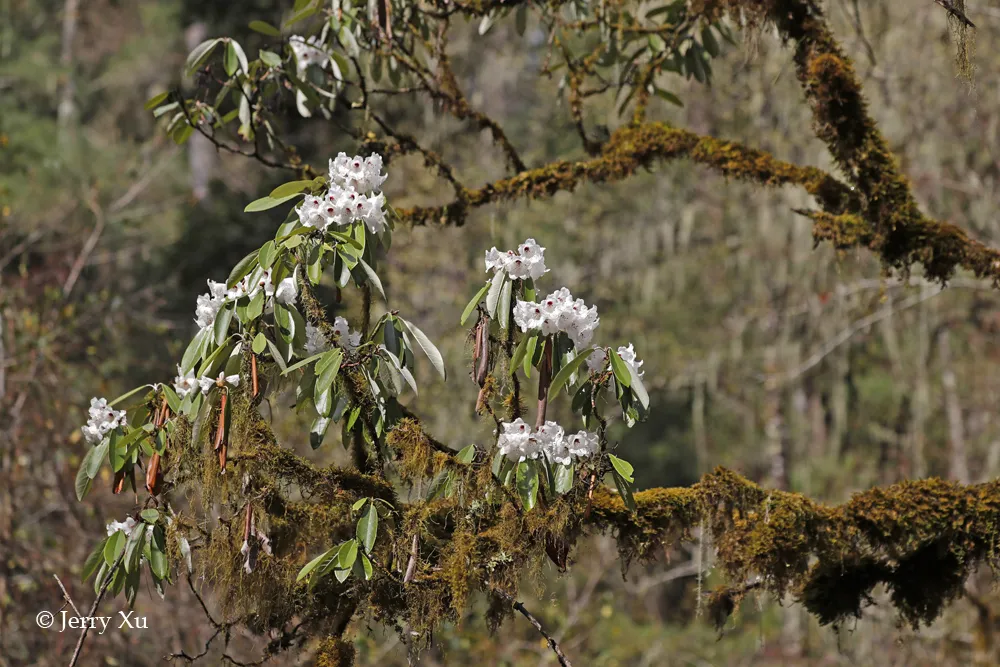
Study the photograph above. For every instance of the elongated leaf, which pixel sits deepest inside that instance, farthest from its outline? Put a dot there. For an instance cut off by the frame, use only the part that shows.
(259, 343)
(620, 369)
(503, 305)
(564, 374)
(367, 565)
(299, 364)
(129, 394)
(326, 370)
(346, 238)
(267, 255)
(317, 432)
(563, 478)
(471, 307)
(95, 457)
(241, 57)
(94, 560)
(624, 489)
(283, 320)
(368, 527)
(530, 349)
(519, 352)
(265, 203)
(199, 55)
(467, 455)
(638, 388)
(82, 484)
(264, 28)
(229, 59)
(527, 484)
(276, 355)
(156, 100)
(623, 467)
(313, 564)
(372, 277)
(270, 58)
(428, 347)
(493, 296)
(290, 188)
(192, 354)
(222, 320)
(114, 547)
(348, 554)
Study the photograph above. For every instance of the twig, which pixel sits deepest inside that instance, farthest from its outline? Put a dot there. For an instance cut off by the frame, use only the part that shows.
(411, 567)
(563, 660)
(66, 594)
(93, 609)
(88, 248)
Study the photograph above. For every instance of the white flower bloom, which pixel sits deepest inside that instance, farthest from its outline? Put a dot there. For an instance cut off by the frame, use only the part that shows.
(550, 438)
(374, 215)
(185, 385)
(103, 419)
(286, 291)
(527, 262)
(209, 304)
(596, 360)
(583, 444)
(308, 52)
(514, 441)
(628, 356)
(125, 526)
(207, 382)
(344, 337)
(363, 175)
(315, 340)
(559, 312)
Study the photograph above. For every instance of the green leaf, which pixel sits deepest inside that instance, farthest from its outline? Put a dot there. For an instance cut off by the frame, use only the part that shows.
(564, 374)
(503, 305)
(82, 484)
(244, 267)
(158, 563)
(485, 24)
(241, 57)
(348, 554)
(529, 353)
(527, 484)
(638, 388)
(467, 455)
(372, 277)
(270, 58)
(318, 430)
(156, 100)
(102, 572)
(94, 560)
(493, 296)
(668, 96)
(283, 320)
(114, 547)
(195, 350)
(290, 188)
(624, 489)
(359, 504)
(264, 28)
(521, 19)
(367, 564)
(95, 457)
(620, 369)
(256, 307)
(326, 370)
(128, 394)
(265, 203)
(350, 240)
(708, 40)
(276, 355)
(563, 475)
(368, 528)
(133, 548)
(150, 515)
(299, 364)
(222, 320)
(519, 352)
(229, 59)
(199, 55)
(475, 302)
(266, 255)
(428, 347)
(311, 565)
(622, 467)
(259, 343)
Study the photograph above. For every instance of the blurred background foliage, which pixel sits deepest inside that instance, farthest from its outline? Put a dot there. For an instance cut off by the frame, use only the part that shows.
(801, 367)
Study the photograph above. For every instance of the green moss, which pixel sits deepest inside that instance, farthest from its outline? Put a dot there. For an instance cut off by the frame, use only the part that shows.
(334, 652)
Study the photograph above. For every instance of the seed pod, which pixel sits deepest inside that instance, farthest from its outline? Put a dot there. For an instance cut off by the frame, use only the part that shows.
(482, 354)
(253, 373)
(119, 482)
(222, 457)
(220, 431)
(154, 477)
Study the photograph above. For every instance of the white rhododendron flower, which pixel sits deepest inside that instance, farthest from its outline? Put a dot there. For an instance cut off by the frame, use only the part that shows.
(308, 52)
(519, 443)
(125, 526)
(596, 360)
(559, 312)
(583, 444)
(286, 291)
(207, 382)
(184, 385)
(103, 419)
(209, 304)
(347, 339)
(315, 340)
(628, 356)
(354, 195)
(528, 261)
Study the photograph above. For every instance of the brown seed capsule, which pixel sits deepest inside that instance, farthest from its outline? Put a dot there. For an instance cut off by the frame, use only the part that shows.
(247, 522)
(220, 431)
(154, 477)
(482, 351)
(119, 482)
(253, 373)
(222, 457)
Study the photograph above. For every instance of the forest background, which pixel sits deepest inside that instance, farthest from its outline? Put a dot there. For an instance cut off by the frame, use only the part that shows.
(801, 367)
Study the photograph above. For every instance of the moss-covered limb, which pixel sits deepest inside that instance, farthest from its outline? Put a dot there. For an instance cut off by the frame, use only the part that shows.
(918, 538)
(640, 147)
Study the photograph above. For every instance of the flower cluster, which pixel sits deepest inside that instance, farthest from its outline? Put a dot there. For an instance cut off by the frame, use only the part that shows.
(351, 196)
(103, 420)
(211, 302)
(559, 312)
(519, 443)
(596, 361)
(316, 342)
(527, 262)
(308, 52)
(125, 526)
